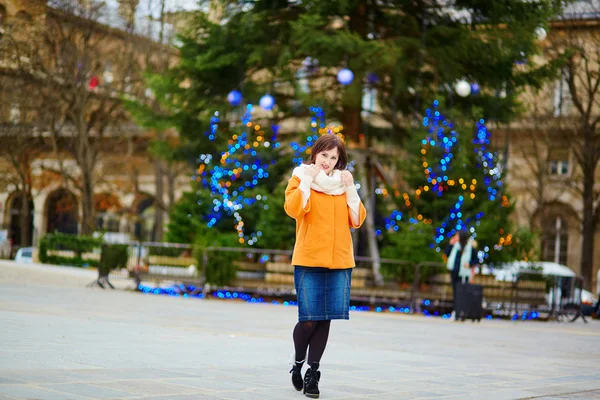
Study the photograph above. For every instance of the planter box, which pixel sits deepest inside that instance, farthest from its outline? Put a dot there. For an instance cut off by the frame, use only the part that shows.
(271, 277)
(172, 261)
(281, 267)
(249, 266)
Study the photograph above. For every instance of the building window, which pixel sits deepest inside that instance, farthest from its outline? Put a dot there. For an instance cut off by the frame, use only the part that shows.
(24, 17)
(559, 162)
(559, 167)
(562, 95)
(15, 113)
(556, 241)
(2, 16)
(369, 100)
(107, 222)
(108, 73)
(308, 68)
(127, 88)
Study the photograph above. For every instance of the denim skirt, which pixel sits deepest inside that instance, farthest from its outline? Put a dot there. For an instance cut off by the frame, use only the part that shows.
(323, 293)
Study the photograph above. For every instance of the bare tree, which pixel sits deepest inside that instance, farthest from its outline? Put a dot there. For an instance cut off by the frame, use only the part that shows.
(577, 112)
(166, 167)
(127, 10)
(82, 69)
(21, 140)
(21, 146)
(536, 148)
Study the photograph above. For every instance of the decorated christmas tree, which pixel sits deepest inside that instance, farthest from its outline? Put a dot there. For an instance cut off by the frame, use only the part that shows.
(236, 181)
(455, 184)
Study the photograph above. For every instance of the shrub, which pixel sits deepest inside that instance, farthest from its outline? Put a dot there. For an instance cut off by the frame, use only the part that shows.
(220, 268)
(74, 243)
(165, 251)
(113, 256)
(410, 243)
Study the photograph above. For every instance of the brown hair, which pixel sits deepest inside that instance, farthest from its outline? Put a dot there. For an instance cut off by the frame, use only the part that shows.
(328, 142)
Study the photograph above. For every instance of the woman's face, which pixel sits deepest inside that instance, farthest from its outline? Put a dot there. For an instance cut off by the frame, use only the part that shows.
(326, 160)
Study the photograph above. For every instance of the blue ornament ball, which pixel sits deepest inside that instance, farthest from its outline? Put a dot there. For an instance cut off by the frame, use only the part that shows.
(267, 102)
(475, 88)
(234, 97)
(345, 76)
(372, 78)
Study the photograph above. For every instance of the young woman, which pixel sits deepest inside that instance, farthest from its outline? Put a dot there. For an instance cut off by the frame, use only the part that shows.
(462, 256)
(323, 200)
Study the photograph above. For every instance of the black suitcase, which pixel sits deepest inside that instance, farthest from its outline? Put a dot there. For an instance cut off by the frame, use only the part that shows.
(468, 302)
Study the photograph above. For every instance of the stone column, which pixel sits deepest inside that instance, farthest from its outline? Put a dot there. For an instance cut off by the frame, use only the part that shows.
(39, 216)
(4, 217)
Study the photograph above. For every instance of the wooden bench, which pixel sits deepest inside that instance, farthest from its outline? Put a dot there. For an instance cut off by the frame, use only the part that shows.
(276, 278)
(493, 290)
(532, 293)
(279, 277)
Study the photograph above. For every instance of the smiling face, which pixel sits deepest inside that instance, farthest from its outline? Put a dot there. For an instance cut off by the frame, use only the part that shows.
(326, 160)
(328, 153)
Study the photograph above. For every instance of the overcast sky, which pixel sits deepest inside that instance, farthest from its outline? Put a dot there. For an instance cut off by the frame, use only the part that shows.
(579, 9)
(144, 26)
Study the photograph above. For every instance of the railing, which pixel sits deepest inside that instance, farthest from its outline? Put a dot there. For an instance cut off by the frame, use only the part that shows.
(143, 258)
(410, 289)
(562, 294)
(415, 287)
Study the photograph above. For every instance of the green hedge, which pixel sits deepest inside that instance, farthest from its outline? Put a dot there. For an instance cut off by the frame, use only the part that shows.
(410, 243)
(220, 269)
(78, 244)
(112, 255)
(63, 241)
(165, 251)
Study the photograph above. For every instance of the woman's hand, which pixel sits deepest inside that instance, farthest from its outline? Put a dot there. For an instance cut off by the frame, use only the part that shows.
(312, 170)
(347, 178)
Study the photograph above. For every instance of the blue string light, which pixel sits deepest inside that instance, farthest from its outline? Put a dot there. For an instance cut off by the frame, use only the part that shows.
(317, 121)
(442, 135)
(190, 291)
(238, 171)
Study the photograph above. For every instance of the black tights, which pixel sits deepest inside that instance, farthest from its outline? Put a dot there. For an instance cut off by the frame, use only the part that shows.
(313, 333)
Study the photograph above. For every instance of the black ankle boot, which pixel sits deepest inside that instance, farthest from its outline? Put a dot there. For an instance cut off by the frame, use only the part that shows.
(296, 372)
(311, 383)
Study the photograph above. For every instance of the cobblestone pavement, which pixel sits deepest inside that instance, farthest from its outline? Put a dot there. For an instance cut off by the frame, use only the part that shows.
(60, 340)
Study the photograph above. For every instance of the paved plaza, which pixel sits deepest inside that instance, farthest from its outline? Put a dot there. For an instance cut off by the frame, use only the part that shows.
(60, 340)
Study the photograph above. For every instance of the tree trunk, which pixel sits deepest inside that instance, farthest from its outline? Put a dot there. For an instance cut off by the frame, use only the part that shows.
(541, 203)
(370, 222)
(87, 203)
(25, 218)
(171, 178)
(588, 225)
(352, 122)
(158, 210)
(352, 99)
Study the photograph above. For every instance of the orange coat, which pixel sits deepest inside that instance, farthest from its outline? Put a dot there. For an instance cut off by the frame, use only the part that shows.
(323, 236)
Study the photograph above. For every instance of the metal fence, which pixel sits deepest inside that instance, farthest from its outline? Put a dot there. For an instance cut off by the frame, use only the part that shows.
(423, 287)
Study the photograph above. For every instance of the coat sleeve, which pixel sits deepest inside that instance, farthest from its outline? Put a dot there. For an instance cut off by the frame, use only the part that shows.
(296, 204)
(356, 211)
(474, 259)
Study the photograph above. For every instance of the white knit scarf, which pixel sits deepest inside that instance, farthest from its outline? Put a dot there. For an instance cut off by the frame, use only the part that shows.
(329, 184)
(465, 259)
